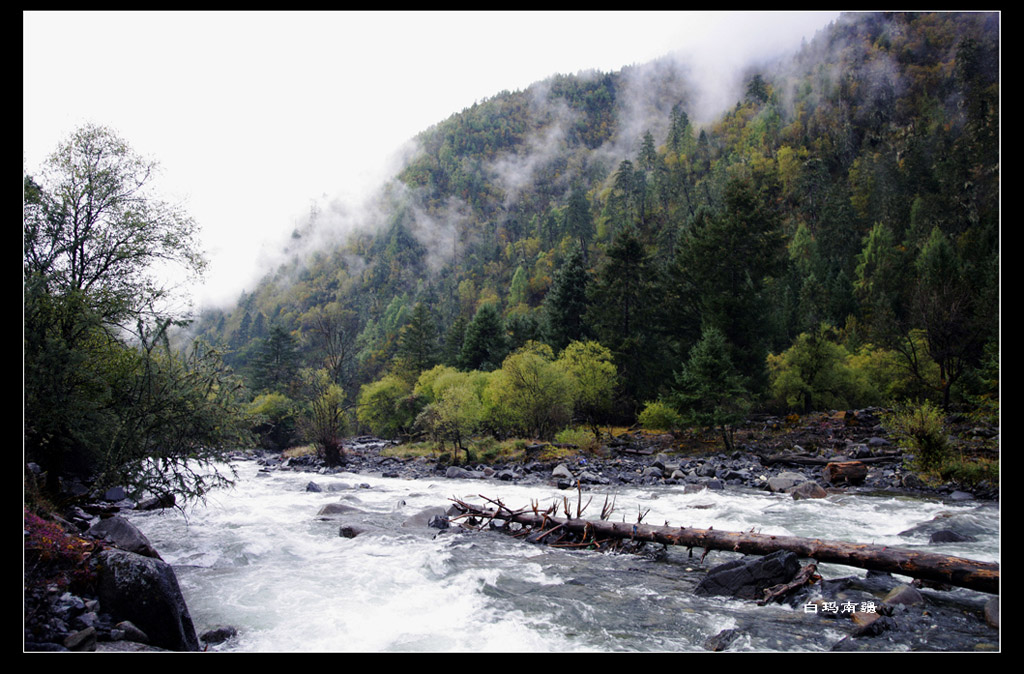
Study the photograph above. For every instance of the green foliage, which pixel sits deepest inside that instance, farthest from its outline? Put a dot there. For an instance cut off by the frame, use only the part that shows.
(625, 313)
(836, 192)
(275, 366)
(456, 410)
(592, 368)
(576, 436)
(275, 420)
(106, 396)
(386, 406)
(658, 415)
(815, 374)
(177, 416)
(709, 391)
(417, 343)
(565, 306)
(531, 394)
(921, 429)
(887, 373)
(485, 343)
(325, 423)
(93, 226)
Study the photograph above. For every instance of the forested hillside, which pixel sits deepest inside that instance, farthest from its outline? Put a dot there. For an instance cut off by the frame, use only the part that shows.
(584, 252)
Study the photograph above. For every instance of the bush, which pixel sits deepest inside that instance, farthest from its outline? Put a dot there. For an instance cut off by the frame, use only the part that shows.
(921, 429)
(387, 407)
(576, 436)
(274, 420)
(660, 416)
(815, 373)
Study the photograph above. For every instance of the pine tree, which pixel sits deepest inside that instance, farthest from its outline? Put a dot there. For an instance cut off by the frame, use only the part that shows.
(565, 305)
(485, 344)
(709, 391)
(626, 317)
(417, 343)
(276, 364)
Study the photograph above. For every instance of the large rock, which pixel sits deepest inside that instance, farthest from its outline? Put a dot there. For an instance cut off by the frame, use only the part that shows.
(145, 591)
(124, 535)
(747, 578)
(785, 482)
(808, 490)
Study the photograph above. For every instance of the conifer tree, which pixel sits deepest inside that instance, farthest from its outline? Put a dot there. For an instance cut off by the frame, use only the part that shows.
(485, 344)
(624, 311)
(417, 343)
(709, 391)
(565, 305)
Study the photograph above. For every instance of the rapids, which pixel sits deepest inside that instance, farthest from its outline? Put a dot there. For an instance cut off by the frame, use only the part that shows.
(259, 558)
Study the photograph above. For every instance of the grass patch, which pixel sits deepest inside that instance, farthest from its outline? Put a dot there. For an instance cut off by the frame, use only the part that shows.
(298, 450)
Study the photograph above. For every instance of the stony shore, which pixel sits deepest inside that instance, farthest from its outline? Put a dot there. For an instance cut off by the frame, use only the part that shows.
(844, 451)
(840, 452)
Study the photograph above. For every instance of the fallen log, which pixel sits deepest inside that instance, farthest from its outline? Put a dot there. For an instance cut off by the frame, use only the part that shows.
(967, 573)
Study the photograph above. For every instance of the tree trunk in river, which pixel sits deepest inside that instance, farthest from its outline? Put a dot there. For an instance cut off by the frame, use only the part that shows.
(974, 575)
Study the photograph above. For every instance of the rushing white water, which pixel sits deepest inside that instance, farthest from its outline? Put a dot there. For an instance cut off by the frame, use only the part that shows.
(259, 558)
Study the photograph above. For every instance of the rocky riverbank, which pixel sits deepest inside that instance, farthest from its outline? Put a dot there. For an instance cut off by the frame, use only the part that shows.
(846, 451)
(97, 608)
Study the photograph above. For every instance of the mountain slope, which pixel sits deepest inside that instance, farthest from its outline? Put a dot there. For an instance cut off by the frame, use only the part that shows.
(866, 166)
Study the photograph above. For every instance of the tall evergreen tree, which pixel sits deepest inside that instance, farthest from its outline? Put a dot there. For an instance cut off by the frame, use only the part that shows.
(417, 343)
(723, 264)
(579, 223)
(709, 390)
(485, 344)
(275, 367)
(565, 305)
(624, 311)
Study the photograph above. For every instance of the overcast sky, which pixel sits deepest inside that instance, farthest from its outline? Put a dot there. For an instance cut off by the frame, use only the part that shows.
(256, 116)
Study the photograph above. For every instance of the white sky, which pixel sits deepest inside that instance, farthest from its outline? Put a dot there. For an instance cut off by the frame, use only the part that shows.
(254, 116)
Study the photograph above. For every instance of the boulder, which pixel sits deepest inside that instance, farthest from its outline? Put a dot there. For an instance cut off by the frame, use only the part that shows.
(808, 490)
(747, 578)
(722, 640)
(337, 509)
(122, 534)
(127, 631)
(904, 594)
(145, 591)
(992, 612)
(562, 471)
(218, 635)
(428, 517)
(950, 536)
(457, 472)
(83, 640)
(785, 482)
(157, 503)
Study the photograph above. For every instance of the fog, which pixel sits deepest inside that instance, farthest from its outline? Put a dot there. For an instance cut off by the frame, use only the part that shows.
(269, 124)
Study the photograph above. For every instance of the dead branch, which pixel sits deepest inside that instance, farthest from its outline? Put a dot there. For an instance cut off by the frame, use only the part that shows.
(975, 575)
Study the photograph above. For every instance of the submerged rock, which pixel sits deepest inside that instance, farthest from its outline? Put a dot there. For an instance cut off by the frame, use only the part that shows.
(748, 577)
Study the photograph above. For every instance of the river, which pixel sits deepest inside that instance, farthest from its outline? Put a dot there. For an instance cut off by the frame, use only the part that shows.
(259, 558)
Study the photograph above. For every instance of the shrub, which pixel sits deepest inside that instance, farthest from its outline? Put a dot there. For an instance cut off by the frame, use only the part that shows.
(387, 406)
(921, 429)
(660, 416)
(274, 420)
(576, 436)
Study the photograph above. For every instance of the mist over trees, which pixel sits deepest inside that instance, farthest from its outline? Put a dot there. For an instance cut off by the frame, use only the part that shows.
(846, 203)
(831, 239)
